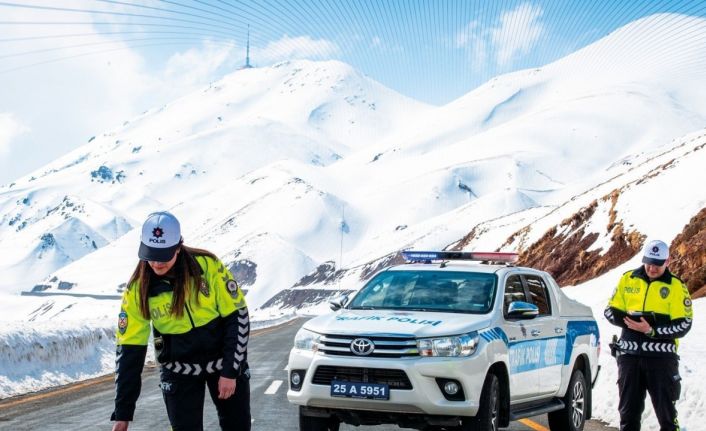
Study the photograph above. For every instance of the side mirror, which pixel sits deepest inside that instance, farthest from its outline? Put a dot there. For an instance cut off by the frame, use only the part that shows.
(338, 303)
(522, 310)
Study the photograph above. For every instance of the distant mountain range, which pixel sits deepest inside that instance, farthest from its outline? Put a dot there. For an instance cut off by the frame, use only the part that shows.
(306, 177)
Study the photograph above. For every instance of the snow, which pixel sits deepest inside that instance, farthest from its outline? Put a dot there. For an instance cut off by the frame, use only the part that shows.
(36, 355)
(306, 162)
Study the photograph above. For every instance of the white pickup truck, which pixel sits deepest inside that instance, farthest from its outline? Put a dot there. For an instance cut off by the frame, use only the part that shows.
(445, 344)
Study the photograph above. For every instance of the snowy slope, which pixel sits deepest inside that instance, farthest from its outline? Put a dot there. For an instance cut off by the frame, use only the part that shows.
(529, 138)
(281, 169)
(313, 113)
(638, 197)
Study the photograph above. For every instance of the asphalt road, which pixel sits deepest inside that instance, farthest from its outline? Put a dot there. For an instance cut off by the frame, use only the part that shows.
(88, 405)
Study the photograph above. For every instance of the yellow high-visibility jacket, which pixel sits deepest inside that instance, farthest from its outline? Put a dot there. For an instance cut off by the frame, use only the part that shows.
(665, 303)
(210, 337)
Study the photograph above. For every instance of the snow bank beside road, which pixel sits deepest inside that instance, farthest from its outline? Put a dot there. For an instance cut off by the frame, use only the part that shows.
(40, 355)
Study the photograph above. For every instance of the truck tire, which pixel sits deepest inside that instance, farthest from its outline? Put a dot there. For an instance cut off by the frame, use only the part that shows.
(573, 416)
(314, 423)
(487, 418)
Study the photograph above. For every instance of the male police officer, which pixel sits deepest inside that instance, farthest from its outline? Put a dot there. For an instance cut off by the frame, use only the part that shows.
(654, 309)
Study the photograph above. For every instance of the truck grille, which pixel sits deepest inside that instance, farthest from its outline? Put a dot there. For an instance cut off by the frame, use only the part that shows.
(395, 379)
(385, 347)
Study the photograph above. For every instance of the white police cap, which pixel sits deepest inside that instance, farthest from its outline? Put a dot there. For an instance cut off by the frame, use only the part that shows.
(161, 236)
(655, 253)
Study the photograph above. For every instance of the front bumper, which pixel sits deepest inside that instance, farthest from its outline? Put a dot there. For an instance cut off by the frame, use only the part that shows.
(425, 397)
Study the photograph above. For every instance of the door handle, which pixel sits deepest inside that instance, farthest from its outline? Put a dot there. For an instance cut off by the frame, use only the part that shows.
(535, 332)
(558, 330)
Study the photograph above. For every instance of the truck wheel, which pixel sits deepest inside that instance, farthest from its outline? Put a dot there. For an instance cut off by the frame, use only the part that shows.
(487, 418)
(313, 423)
(573, 416)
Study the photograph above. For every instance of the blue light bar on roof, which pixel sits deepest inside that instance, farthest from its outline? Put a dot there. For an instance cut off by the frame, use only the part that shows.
(428, 256)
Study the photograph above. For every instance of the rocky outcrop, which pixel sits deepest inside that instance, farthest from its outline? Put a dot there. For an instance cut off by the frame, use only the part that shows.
(326, 273)
(688, 253)
(244, 271)
(371, 268)
(565, 250)
(297, 298)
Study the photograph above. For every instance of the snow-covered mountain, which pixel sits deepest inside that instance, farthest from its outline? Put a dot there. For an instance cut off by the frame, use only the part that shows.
(307, 177)
(606, 225)
(310, 174)
(208, 156)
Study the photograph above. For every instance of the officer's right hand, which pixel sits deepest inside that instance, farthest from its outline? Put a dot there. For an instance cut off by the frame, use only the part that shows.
(120, 425)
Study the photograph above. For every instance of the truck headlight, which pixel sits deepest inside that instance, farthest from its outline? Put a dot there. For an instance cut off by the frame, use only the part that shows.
(306, 340)
(459, 345)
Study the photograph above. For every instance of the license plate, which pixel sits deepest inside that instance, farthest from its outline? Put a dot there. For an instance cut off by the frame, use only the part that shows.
(373, 391)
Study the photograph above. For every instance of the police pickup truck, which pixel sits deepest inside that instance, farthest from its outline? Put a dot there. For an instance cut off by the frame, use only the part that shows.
(441, 343)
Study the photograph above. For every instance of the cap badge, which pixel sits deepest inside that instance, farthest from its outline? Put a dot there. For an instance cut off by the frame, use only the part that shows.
(157, 232)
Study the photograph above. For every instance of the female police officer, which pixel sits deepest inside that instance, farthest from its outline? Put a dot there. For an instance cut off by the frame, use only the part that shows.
(201, 327)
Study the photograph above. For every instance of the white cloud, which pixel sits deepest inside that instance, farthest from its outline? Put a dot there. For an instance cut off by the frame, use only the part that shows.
(515, 33)
(71, 93)
(10, 128)
(519, 31)
(200, 64)
(68, 93)
(375, 42)
(473, 37)
(290, 48)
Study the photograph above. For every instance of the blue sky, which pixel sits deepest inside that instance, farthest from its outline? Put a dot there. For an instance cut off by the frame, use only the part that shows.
(74, 68)
(435, 50)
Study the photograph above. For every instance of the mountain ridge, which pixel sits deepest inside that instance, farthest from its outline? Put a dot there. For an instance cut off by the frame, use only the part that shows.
(285, 168)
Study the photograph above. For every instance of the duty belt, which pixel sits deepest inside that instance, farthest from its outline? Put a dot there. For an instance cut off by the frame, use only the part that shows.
(209, 367)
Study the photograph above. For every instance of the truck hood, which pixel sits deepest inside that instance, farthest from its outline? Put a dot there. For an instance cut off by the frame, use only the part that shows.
(397, 323)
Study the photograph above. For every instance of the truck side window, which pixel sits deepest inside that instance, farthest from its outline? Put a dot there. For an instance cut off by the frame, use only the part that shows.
(513, 291)
(538, 294)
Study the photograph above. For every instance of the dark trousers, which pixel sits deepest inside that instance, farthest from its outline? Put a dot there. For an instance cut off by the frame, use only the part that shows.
(658, 376)
(184, 398)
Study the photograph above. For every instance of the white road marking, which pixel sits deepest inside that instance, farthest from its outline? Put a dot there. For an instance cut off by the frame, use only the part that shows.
(273, 387)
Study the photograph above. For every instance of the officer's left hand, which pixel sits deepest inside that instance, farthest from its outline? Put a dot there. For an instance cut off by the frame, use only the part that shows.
(226, 388)
(642, 326)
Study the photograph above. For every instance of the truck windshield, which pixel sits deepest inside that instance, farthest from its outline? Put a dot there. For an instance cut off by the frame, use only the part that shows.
(460, 292)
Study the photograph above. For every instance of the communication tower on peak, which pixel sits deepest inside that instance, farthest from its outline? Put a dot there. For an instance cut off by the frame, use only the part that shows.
(247, 52)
